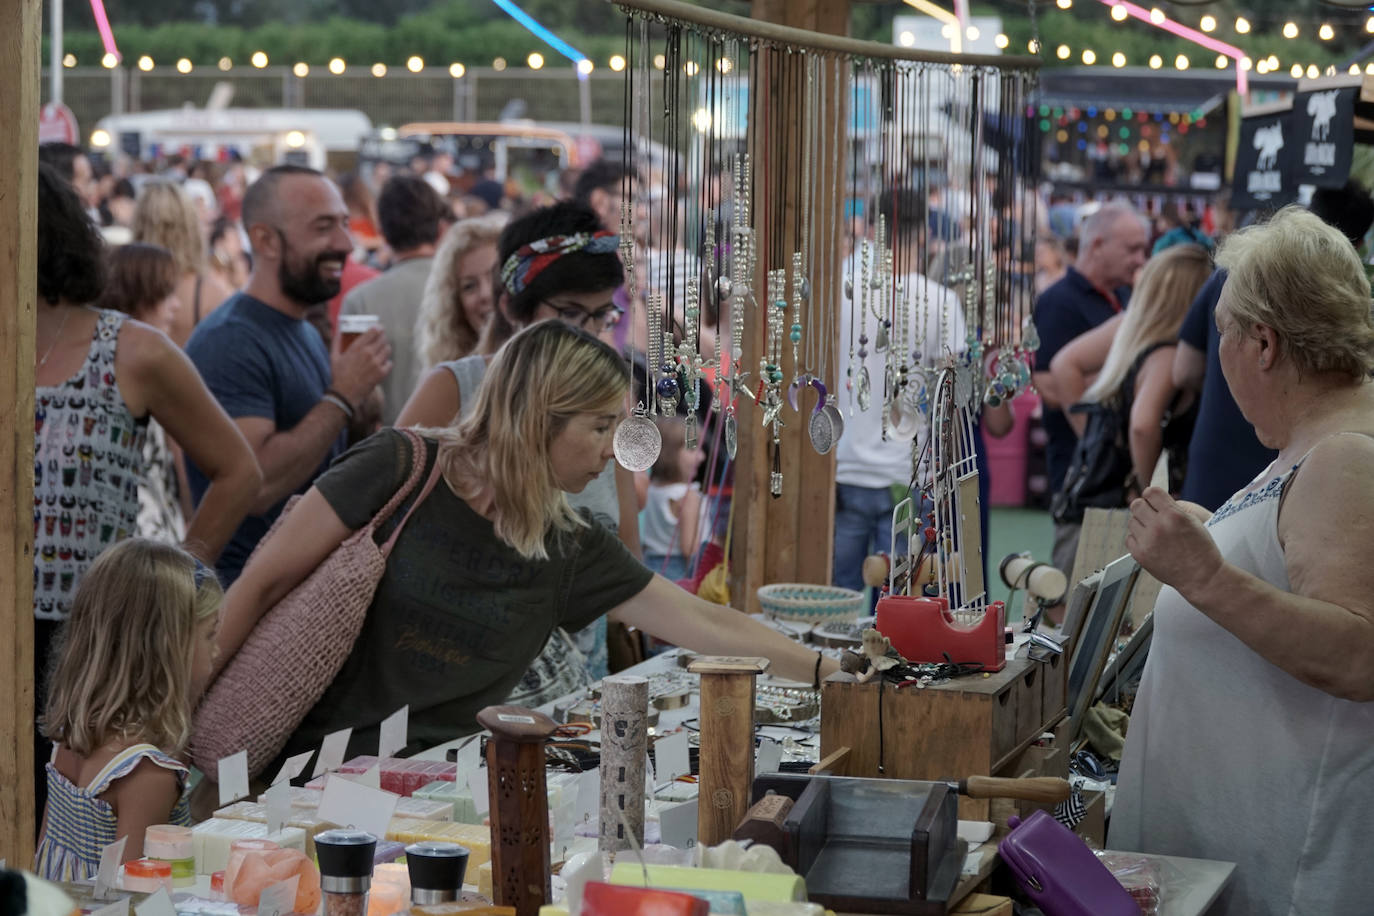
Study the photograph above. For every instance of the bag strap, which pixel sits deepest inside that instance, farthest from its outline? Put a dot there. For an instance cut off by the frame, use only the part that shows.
(417, 467)
(422, 452)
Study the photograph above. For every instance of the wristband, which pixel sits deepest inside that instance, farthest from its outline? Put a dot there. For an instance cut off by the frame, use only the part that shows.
(338, 401)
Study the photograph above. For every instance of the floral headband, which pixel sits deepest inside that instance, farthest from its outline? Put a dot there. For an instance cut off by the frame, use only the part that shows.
(529, 261)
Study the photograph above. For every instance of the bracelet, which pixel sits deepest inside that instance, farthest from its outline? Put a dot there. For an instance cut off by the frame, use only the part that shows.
(816, 678)
(338, 401)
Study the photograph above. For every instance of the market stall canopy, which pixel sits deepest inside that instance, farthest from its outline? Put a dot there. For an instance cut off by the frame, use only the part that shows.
(1144, 89)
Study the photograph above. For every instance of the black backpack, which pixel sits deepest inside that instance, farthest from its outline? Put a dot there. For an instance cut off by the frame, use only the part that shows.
(1101, 465)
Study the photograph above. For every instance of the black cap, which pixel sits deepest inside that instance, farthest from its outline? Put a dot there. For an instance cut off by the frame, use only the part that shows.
(436, 866)
(346, 853)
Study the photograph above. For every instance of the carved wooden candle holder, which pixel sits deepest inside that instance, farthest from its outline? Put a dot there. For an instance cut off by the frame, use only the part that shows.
(519, 806)
(727, 743)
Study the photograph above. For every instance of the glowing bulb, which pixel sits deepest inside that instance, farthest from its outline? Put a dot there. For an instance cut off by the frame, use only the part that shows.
(337, 66)
(1369, 69)
(972, 33)
(1156, 61)
(1062, 136)
(1064, 4)
(701, 120)
(1354, 70)
(379, 70)
(302, 69)
(1102, 131)
(1001, 41)
(1330, 70)
(535, 60)
(69, 60)
(1326, 33)
(906, 39)
(295, 139)
(585, 66)
(145, 63)
(456, 70)
(1033, 46)
(725, 65)
(100, 137)
(1369, 24)
(415, 63)
(946, 31)
(1295, 71)
(498, 64)
(1208, 23)
(109, 61)
(1313, 72)
(1242, 25)
(617, 63)
(184, 65)
(1157, 16)
(691, 68)
(1062, 52)
(1273, 61)
(660, 61)
(1222, 62)
(1290, 30)
(1090, 57)
(1262, 67)
(1246, 63)
(1119, 13)
(1181, 62)
(1118, 59)
(259, 59)
(225, 63)
(1109, 114)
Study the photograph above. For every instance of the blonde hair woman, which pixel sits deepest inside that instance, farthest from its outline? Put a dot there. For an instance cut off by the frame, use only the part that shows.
(1140, 343)
(494, 558)
(165, 215)
(1264, 636)
(134, 659)
(461, 293)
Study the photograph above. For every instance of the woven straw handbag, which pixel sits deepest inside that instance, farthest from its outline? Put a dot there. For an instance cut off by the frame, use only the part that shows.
(298, 647)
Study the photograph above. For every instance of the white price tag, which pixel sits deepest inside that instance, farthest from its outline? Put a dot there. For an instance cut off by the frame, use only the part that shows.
(588, 796)
(678, 824)
(233, 777)
(393, 733)
(293, 767)
(277, 799)
(674, 759)
(159, 903)
(107, 875)
(332, 751)
(477, 785)
(347, 803)
(279, 899)
(469, 757)
(768, 757)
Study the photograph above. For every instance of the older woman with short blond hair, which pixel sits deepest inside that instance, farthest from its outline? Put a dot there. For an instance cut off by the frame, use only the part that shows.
(1252, 737)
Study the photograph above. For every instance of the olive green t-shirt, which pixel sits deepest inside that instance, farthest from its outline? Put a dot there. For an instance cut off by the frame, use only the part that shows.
(458, 615)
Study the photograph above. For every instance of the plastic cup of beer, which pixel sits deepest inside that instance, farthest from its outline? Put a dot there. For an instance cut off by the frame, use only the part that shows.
(351, 327)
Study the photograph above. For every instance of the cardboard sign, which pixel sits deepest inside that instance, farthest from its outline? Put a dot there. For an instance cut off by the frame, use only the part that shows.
(279, 899)
(107, 875)
(332, 751)
(1263, 177)
(1324, 136)
(277, 800)
(393, 733)
(293, 767)
(349, 804)
(233, 777)
(159, 903)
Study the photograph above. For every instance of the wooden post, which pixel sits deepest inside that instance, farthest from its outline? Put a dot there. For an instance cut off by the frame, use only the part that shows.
(790, 538)
(20, 21)
(519, 806)
(727, 743)
(624, 753)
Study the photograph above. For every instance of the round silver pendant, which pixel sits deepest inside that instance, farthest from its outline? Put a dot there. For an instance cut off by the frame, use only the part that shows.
(731, 435)
(835, 415)
(637, 443)
(821, 430)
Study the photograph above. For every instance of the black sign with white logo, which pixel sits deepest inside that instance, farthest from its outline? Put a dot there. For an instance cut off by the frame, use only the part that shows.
(1263, 178)
(1324, 136)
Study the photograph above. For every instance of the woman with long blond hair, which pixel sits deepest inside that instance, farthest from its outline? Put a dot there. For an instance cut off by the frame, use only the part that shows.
(461, 293)
(165, 215)
(493, 559)
(1138, 346)
(130, 666)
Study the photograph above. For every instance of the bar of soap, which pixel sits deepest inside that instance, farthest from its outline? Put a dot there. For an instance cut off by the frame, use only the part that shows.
(476, 838)
(211, 841)
(484, 880)
(753, 885)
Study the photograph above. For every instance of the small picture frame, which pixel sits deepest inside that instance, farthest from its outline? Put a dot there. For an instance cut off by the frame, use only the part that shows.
(1094, 632)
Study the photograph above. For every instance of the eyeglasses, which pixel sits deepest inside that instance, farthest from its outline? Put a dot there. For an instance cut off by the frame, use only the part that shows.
(606, 317)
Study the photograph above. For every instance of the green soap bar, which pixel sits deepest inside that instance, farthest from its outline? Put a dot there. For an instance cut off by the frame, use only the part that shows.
(753, 885)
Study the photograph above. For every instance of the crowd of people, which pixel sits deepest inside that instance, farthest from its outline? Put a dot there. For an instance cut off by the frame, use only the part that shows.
(199, 369)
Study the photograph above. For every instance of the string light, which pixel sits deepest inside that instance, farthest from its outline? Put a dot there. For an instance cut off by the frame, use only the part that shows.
(1156, 61)
(691, 68)
(1273, 61)
(725, 64)
(456, 70)
(1033, 46)
(660, 61)
(1246, 63)
(1313, 72)
(535, 60)
(1119, 13)
(184, 65)
(302, 69)
(1330, 70)
(1181, 62)
(1001, 41)
(1242, 25)
(1369, 24)
(69, 60)
(1290, 30)
(617, 63)
(1222, 62)
(415, 63)
(1326, 33)
(906, 39)
(1295, 71)
(1157, 16)
(498, 64)
(1118, 60)
(379, 70)
(1089, 57)
(972, 33)
(259, 59)
(1354, 70)
(1064, 4)
(145, 63)
(1369, 69)
(585, 66)
(1062, 52)
(337, 66)
(1208, 23)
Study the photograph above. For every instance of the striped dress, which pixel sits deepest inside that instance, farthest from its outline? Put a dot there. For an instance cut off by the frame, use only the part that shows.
(80, 823)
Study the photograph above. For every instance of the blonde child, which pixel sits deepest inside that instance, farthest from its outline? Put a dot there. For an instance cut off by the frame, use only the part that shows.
(670, 525)
(132, 661)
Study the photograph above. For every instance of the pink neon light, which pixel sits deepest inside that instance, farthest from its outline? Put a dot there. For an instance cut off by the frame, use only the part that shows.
(102, 22)
(1182, 31)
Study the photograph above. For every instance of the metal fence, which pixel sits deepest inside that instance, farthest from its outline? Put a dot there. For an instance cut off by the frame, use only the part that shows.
(400, 96)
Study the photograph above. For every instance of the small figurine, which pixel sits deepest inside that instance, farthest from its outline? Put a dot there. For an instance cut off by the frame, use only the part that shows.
(878, 656)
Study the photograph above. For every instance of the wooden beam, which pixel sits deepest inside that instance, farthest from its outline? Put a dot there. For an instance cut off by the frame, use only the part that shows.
(790, 538)
(20, 22)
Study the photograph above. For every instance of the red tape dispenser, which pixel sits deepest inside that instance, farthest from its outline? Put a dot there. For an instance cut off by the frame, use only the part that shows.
(924, 630)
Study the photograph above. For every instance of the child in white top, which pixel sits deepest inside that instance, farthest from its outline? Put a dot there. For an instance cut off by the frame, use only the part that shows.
(670, 525)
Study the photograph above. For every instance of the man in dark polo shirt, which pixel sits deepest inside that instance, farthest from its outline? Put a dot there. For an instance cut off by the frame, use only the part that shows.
(1112, 247)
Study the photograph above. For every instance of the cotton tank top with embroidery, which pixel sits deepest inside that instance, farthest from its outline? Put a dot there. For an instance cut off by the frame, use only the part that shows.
(1230, 757)
(88, 451)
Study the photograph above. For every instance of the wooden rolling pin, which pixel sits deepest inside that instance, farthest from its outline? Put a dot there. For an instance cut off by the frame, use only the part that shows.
(1047, 789)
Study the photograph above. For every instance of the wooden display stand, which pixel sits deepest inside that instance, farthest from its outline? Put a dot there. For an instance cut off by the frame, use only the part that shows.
(519, 806)
(727, 743)
(970, 726)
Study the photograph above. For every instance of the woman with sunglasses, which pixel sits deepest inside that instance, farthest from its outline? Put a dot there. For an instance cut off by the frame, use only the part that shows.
(554, 263)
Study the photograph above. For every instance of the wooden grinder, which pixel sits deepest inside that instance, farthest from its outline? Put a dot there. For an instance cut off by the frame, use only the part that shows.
(727, 743)
(519, 806)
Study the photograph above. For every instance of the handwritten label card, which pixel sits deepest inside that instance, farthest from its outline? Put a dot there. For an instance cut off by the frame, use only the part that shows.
(347, 803)
(279, 899)
(107, 876)
(332, 751)
(277, 799)
(233, 777)
(393, 737)
(293, 767)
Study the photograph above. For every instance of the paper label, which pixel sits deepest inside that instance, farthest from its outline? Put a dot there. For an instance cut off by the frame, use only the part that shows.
(119, 908)
(650, 784)
(107, 876)
(674, 758)
(477, 784)
(293, 767)
(233, 777)
(768, 757)
(393, 733)
(678, 824)
(469, 757)
(159, 903)
(278, 899)
(349, 804)
(371, 777)
(519, 720)
(277, 800)
(332, 751)
(588, 796)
